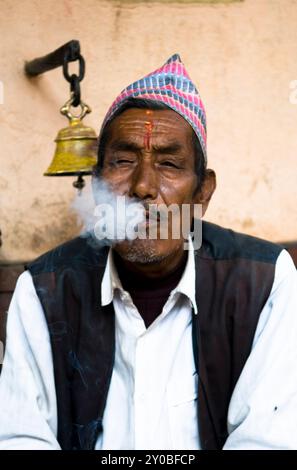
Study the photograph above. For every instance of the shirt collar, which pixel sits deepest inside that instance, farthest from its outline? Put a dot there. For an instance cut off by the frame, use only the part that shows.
(186, 285)
(110, 281)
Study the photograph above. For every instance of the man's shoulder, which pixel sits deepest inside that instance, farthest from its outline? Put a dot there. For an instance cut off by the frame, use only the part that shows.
(223, 243)
(80, 253)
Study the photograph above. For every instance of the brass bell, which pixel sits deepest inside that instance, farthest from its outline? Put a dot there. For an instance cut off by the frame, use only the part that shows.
(76, 149)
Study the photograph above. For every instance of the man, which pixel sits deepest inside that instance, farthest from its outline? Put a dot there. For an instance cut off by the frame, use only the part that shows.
(146, 345)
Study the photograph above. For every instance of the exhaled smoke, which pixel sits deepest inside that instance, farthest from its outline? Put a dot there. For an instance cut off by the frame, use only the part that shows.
(108, 217)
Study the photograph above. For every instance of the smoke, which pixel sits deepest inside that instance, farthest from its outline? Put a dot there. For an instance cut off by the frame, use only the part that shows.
(108, 217)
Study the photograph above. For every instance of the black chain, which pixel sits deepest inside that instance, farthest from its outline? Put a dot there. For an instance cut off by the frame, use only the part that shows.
(75, 90)
(74, 79)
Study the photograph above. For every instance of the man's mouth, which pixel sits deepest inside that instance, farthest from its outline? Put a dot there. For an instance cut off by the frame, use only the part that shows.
(152, 216)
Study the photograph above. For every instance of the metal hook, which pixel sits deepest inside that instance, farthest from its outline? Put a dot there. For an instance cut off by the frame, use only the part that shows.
(65, 110)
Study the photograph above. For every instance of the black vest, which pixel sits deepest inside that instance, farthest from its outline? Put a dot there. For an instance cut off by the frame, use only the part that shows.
(234, 276)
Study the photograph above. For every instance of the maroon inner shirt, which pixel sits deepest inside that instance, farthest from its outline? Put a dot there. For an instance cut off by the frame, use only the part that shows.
(149, 296)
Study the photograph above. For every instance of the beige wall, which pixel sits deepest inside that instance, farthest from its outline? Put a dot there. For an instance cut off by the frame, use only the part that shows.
(242, 56)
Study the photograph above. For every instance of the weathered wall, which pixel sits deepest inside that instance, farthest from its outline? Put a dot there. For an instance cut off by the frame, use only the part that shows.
(242, 57)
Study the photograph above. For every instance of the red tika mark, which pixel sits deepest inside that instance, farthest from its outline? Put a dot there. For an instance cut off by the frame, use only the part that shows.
(148, 134)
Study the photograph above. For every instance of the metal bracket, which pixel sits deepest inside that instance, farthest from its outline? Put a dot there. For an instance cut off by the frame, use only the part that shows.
(69, 52)
(55, 59)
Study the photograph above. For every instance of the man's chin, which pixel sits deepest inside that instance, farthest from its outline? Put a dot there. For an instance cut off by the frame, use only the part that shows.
(141, 251)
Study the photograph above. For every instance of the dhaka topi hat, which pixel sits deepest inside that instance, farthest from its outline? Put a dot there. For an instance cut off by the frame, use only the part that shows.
(171, 85)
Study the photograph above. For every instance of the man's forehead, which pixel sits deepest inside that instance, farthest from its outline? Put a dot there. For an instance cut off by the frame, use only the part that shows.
(162, 121)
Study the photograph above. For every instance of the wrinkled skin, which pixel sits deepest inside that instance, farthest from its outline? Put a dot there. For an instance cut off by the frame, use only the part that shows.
(149, 156)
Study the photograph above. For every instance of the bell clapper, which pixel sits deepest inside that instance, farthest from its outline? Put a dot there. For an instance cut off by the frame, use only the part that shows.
(79, 184)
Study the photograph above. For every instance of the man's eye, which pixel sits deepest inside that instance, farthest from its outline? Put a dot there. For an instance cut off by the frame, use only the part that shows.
(169, 164)
(123, 161)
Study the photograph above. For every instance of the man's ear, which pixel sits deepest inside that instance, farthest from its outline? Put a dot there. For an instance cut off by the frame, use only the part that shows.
(204, 194)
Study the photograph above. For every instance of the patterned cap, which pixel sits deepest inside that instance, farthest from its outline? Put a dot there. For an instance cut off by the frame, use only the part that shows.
(172, 86)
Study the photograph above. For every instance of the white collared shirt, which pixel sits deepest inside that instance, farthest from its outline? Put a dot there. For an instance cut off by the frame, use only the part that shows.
(151, 400)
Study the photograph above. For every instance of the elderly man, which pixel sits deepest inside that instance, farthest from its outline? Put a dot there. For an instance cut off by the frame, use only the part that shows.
(147, 345)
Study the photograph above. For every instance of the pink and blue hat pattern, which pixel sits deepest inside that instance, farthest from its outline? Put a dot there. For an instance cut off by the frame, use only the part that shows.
(171, 85)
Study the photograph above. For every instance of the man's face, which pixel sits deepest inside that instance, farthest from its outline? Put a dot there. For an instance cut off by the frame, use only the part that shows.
(149, 155)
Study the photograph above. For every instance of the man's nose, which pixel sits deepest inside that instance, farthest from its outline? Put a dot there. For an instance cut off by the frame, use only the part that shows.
(144, 183)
